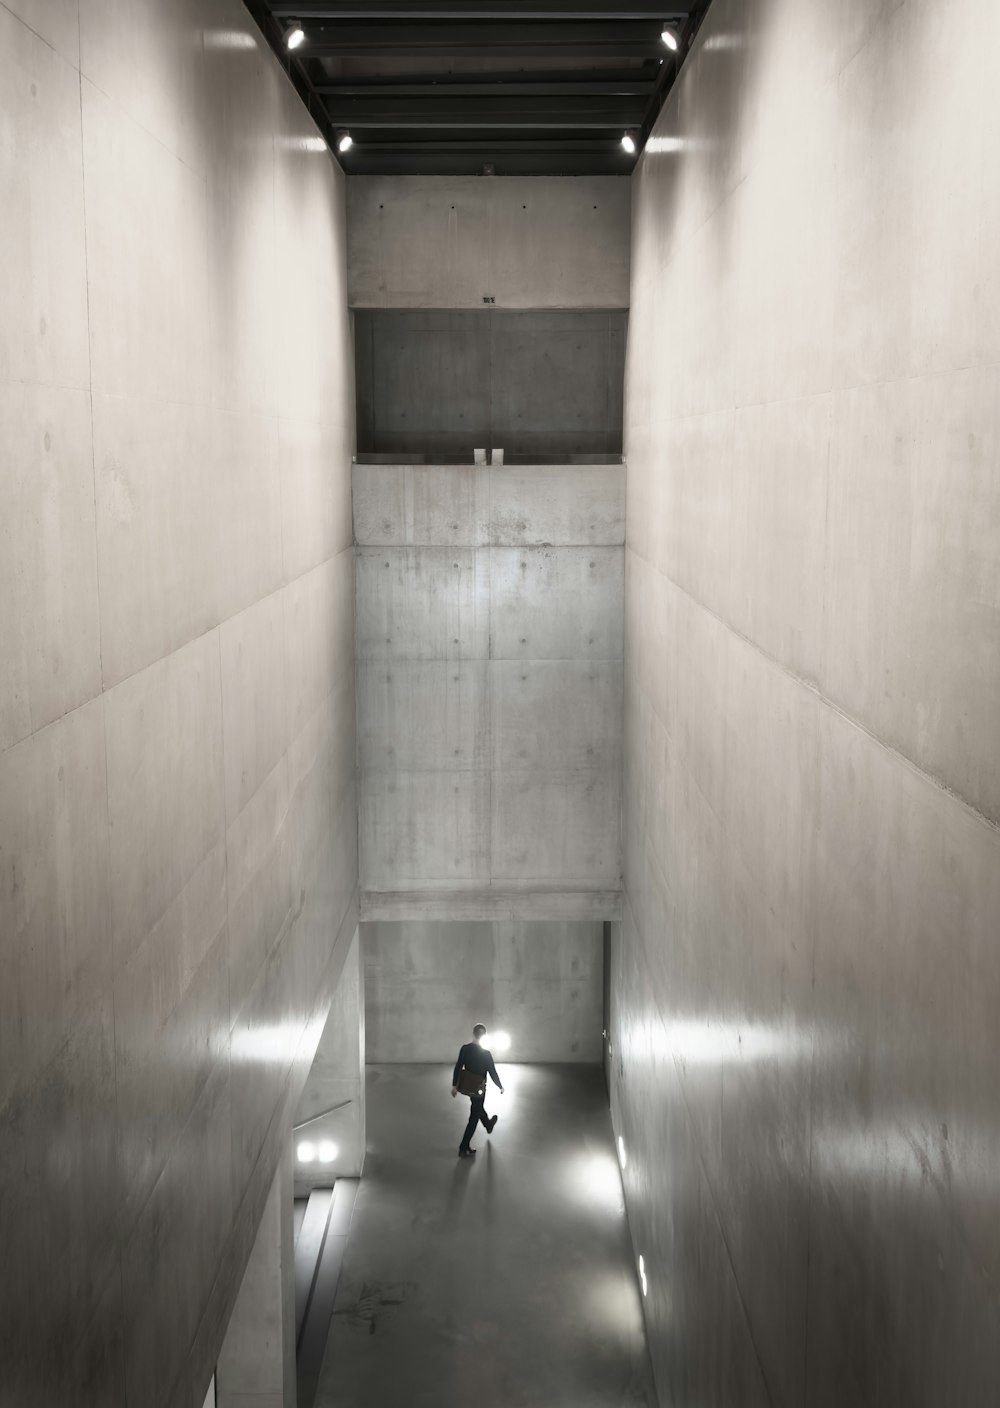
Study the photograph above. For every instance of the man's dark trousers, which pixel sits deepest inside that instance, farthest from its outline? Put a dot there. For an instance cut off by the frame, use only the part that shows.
(476, 1114)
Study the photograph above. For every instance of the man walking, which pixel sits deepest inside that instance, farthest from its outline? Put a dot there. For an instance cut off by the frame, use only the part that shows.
(474, 1064)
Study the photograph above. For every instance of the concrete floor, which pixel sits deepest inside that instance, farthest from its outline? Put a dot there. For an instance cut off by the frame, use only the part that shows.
(506, 1279)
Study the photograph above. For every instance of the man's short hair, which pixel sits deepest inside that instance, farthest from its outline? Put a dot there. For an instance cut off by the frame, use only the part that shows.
(478, 1030)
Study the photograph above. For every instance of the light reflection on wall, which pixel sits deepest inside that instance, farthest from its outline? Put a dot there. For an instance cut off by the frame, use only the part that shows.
(594, 1179)
(657, 145)
(708, 1043)
(228, 40)
(275, 1044)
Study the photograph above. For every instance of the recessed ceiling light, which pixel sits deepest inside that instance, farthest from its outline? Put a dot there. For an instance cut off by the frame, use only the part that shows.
(628, 142)
(295, 36)
(345, 142)
(669, 38)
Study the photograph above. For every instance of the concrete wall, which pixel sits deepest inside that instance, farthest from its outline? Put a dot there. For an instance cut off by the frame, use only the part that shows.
(177, 809)
(332, 1103)
(489, 647)
(428, 983)
(806, 1042)
(458, 241)
(540, 385)
(256, 1364)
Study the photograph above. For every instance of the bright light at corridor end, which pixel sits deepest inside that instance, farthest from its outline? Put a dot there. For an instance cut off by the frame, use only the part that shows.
(495, 1041)
(295, 36)
(628, 142)
(670, 39)
(308, 1153)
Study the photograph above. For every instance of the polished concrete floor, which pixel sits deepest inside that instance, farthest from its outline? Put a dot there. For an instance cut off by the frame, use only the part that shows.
(502, 1280)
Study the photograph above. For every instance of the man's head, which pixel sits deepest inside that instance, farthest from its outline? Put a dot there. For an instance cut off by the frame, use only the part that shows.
(479, 1031)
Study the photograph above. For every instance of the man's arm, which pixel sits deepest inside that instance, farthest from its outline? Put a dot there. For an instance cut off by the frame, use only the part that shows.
(491, 1067)
(458, 1068)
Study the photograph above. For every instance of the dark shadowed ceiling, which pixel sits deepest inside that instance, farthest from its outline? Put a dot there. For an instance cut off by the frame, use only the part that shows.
(525, 87)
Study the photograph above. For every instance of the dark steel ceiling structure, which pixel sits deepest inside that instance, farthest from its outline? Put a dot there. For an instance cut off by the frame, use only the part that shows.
(471, 87)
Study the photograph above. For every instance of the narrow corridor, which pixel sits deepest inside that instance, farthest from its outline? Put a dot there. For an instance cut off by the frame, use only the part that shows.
(506, 1279)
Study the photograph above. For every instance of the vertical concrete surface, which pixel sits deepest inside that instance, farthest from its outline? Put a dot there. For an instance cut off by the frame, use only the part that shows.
(257, 1355)
(806, 1048)
(428, 982)
(489, 647)
(459, 241)
(177, 809)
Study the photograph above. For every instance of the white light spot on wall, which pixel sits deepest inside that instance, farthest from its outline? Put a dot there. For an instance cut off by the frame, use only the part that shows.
(306, 1152)
(658, 145)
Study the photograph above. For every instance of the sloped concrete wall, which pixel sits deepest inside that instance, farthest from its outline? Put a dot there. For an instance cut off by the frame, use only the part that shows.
(489, 648)
(332, 1103)
(177, 801)
(806, 1045)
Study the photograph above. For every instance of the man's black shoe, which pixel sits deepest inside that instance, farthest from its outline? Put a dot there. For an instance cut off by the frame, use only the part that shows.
(491, 1124)
(466, 1153)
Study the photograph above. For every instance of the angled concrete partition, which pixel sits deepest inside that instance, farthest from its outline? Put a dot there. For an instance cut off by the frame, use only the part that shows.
(806, 1043)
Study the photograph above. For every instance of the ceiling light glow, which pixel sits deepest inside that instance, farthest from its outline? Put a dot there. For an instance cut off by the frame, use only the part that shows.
(345, 143)
(628, 142)
(295, 36)
(306, 1152)
(670, 39)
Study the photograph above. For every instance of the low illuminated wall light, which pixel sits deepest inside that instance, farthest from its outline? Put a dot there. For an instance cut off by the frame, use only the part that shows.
(327, 1151)
(306, 1152)
(621, 1152)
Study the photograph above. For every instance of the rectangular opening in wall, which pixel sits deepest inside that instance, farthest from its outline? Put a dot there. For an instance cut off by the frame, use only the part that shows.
(546, 387)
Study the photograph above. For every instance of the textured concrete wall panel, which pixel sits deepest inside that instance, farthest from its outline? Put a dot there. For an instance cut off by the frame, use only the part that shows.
(806, 979)
(178, 835)
(490, 677)
(527, 242)
(428, 983)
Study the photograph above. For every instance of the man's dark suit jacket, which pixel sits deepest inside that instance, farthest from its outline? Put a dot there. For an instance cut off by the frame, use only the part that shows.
(477, 1059)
